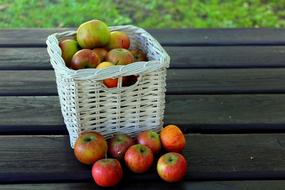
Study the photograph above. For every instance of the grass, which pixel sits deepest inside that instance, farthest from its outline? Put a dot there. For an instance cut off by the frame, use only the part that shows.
(144, 13)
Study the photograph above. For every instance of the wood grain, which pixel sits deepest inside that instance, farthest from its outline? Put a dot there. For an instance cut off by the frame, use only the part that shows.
(181, 57)
(41, 114)
(37, 37)
(151, 185)
(210, 157)
(179, 81)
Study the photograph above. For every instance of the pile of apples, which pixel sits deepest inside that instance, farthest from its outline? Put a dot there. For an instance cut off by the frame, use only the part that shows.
(96, 47)
(138, 154)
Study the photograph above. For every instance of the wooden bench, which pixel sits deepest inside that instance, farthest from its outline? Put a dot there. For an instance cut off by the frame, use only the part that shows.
(225, 89)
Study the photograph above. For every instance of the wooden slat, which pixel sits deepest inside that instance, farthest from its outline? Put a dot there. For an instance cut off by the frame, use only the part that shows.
(181, 57)
(37, 37)
(192, 185)
(209, 157)
(179, 81)
(24, 58)
(42, 114)
(227, 56)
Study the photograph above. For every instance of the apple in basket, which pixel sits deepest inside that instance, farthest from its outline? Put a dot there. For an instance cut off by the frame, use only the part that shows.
(110, 82)
(150, 139)
(118, 39)
(68, 48)
(120, 56)
(89, 147)
(139, 55)
(101, 53)
(107, 172)
(119, 144)
(84, 58)
(93, 33)
(139, 158)
(172, 167)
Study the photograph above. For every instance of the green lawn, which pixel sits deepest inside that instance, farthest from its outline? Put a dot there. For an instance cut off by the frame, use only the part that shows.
(144, 13)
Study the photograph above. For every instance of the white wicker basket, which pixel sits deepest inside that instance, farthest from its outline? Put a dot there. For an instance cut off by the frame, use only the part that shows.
(86, 104)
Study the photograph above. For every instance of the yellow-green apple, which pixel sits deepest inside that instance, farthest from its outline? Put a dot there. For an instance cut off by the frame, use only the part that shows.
(68, 48)
(120, 56)
(107, 172)
(89, 147)
(110, 82)
(101, 53)
(172, 167)
(139, 55)
(118, 145)
(172, 138)
(138, 158)
(118, 39)
(93, 33)
(150, 139)
(84, 58)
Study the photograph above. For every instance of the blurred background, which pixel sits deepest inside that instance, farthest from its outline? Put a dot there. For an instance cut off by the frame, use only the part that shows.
(144, 13)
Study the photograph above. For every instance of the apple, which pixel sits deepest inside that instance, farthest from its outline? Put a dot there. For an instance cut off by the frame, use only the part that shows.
(84, 58)
(172, 138)
(110, 82)
(68, 48)
(139, 55)
(171, 167)
(107, 172)
(93, 33)
(119, 144)
(118, 40)
(89, 147)
(120, 56)
(138, 158)
(101, 53)
(150, 139)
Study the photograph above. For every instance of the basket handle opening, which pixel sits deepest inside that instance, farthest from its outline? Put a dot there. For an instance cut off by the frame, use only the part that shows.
(116, 85)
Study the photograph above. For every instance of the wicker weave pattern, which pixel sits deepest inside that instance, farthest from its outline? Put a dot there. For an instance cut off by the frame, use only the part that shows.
(86, 104)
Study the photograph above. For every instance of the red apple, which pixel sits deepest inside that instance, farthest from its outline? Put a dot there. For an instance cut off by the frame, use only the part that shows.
(107, 172)
(138, 158)
(150, 139)
(110, 82)
(93, 33)
(172, 138)
(172, 167)
(68, 48)
(120, 56)
(139, 55)
(89, 147)
(119, 144)
(118, 40)
(101, 53)
(84, 58)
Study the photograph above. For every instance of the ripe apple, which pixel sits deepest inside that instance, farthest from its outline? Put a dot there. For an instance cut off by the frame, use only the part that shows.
(101, 53)
(119, 144)
(110, 82)
(89, 147)
(118, 40)
(120, 56)
(138, 158)
(172, 167)
(93, 33)
(150, 139)
(84, 58)
(107, 172)
(172, 138)
(68, 48)
(139, 55)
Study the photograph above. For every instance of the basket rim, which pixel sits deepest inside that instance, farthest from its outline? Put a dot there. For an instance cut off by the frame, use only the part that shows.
(135, 68)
